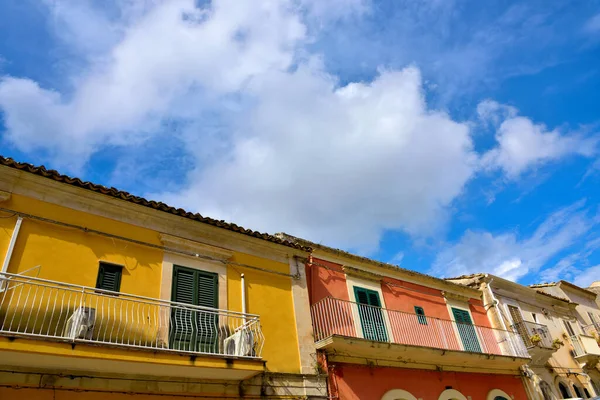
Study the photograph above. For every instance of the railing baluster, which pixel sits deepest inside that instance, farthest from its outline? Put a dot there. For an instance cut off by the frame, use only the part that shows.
(40, 307)
(332, 316)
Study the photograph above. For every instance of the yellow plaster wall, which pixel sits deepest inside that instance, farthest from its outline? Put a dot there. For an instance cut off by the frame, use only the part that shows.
(269, 296)
(7, 393)
(72, 256)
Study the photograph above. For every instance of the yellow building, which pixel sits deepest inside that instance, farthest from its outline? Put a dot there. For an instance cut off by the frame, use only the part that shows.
(104, 295)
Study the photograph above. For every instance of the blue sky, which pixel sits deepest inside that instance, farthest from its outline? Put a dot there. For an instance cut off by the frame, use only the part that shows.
(444, 136)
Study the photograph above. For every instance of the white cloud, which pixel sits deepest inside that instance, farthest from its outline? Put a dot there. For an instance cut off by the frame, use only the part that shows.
(524, 145)
(511, 256)
(277, 142)
(592, 26)
(585, 278)
(337, 164)
(167, 52)
(294, 151)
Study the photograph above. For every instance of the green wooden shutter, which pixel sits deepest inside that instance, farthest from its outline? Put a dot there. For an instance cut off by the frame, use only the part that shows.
(183, 326)
(208, 296)
(466, 330)
(109, 277)
(421, 315)
(192, 329)
(371, 315)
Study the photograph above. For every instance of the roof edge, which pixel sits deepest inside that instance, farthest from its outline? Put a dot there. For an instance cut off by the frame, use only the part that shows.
(43, 172)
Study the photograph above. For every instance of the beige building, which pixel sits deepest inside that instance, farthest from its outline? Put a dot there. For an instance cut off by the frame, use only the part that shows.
(563, 354)
(584, 332)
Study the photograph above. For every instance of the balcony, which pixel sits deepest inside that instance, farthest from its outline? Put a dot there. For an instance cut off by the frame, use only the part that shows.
(537, 339)
(585, 347)
(33, 308)
(351, 332)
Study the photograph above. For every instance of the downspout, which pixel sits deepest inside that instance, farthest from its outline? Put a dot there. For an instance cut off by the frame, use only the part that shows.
(526, 378)
(9, 251)
(243, 279)
(11, 245)
(495, 303)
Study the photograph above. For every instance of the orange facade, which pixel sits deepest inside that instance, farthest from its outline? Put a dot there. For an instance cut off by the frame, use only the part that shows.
(354, 382)
(331, 289)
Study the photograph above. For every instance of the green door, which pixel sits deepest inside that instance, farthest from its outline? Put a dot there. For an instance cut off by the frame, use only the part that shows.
(466, 330)
(192, 329)
(371, 315)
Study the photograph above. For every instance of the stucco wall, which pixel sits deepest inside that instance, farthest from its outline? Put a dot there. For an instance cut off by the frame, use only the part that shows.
(371, 383)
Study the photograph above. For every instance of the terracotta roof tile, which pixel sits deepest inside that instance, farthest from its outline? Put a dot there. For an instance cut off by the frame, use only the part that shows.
(157, 205)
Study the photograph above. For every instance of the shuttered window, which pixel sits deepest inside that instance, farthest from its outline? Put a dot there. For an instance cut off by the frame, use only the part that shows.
(371, 316)
(109, 277)
(421, 315)
(193, 329)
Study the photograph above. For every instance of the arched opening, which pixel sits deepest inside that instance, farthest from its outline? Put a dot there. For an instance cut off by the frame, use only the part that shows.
(587, 393)
(497, 394)
(577, 391)
(451, 394)
(546, 390)
(564, 392)
(398, 394)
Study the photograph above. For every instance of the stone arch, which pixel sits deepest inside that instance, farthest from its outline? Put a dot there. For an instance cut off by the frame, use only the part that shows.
(398, 394)
(563, 389)
(497, 394)
(546, 390)
(451, 394)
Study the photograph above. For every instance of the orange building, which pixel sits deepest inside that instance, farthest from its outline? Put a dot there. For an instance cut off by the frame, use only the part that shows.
(384, 332)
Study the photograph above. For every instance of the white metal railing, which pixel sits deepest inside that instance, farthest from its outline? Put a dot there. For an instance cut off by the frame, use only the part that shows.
(578, 348)
(585, 345)
(344, 318)
(533, 334)
(592, 330)
(41, 308)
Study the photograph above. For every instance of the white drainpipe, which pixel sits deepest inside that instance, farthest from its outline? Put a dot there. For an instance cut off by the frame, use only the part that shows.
(496, 304)
(11, 245)
(9, 251)
(243, 296)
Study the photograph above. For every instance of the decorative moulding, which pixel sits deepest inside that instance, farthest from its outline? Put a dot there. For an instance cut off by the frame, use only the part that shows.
(360, 273)
(4, 196)
(191, 246)
(454, 296)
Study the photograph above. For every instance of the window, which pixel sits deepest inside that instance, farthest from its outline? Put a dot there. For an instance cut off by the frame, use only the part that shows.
(564, 392)
(371, 317)
(466, 330)
(587, 393)
(577, 391)
(534, 316)
(194, 329)
(594, 321)
(421, 315)
(109, 277)
(569, 328)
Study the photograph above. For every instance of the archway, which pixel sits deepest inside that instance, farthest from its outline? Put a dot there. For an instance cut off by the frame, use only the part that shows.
(398, 394)
(497, 394)
(451, 394)
(577, 391)
(587, 393)
(564, 392)
(546, 391)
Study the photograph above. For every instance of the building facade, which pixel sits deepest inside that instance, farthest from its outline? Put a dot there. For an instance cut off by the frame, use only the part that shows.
(388, 333)
(557, 369)
(584, 328)
(105, 295)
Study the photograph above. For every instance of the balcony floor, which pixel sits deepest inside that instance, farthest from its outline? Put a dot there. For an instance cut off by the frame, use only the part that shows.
(362, 351)
(58, 356)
